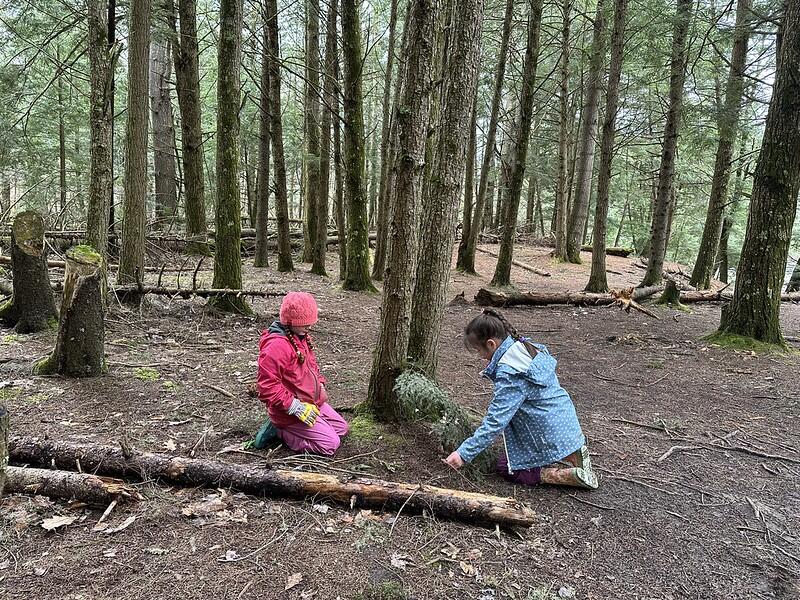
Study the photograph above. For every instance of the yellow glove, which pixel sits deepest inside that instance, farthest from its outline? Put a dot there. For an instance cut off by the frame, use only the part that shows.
(304, 411)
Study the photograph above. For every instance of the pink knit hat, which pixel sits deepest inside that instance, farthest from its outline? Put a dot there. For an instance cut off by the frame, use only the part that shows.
(298, 309)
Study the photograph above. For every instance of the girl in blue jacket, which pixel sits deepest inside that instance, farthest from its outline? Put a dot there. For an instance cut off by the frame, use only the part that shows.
(542, 438)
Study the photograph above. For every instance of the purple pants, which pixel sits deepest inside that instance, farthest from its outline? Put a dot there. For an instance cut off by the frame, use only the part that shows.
(523, 477)
(323, 438)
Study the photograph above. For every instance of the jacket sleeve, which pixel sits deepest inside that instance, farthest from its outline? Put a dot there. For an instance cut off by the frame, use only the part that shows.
(509, 394)
(272, 361)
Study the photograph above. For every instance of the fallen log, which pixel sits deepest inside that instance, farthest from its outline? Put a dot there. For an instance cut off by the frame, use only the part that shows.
(517, 263)
(67, 485)
(259, 480)
(486, 297)
(189, 292)
(60, 264)
(613, 251)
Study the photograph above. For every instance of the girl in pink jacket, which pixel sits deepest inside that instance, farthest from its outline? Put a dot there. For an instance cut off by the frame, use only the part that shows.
(290, 384)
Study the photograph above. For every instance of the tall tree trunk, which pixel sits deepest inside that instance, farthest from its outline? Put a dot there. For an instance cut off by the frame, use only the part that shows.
(62, 140)
(666, 172)
(755, 308)
(728, 123)
(502, 272)
(357, 232)
(166, 189)
(437, 234)
(134, 217)
(228, 252)
(102, 61)
(562, 179)
(341, 216)
(264, 139)
(187, 85)
(491, 134)
(469, 185)
(379, 263)
(331, 57)
(311, 155)
(583, 188)
(276, 133)
(411, 113)
(111, 43)
(597, 278)
(488, 208)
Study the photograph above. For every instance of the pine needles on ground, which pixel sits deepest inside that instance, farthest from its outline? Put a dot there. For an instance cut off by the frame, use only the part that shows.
(423, 400)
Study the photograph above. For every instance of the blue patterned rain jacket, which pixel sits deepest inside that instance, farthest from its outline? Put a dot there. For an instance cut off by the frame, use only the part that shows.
(530, 408)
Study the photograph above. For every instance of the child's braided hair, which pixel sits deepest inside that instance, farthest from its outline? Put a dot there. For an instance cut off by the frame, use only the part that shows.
(491, 324)
(300, 356)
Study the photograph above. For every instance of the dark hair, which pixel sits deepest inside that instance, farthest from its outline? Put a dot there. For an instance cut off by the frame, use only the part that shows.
(491, 324)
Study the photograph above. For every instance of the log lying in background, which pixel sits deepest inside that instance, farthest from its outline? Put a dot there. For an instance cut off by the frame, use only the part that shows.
(486, 297)
(188, 292)
(66, 485)
(613, 251)
(31, 306)
(445, 503)
(60, 264)
(517, 263)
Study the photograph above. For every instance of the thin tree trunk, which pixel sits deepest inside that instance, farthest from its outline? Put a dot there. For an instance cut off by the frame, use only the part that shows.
(488, 209)
(357, 277)
(166, 190)
(113, 50)
(666, 172)
(311, 155)
(102, 61)
(187, 85)
(62, 141)
(483, 183)
(379, 263)
(329, 83)
(264, 139)
(227, 240)
(502, 273)
(562, 179)
(621, 222)
(411, 113)
(597, 278)
(755, 309)
(341, 216)
(728, 124)
(437, 234)
(469, 184)
(276, 133)
(134, 219)
(583, 188)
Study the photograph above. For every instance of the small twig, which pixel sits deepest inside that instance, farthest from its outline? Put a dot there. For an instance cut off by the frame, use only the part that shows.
(224, 392)
(397, 516)
(107, 512)
(582, 501)
(253, 553)
(674, 449)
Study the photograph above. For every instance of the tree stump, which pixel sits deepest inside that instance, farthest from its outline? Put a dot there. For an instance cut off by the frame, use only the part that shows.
(79, 347)
(3, 446)
(31, 307)
(671, 294)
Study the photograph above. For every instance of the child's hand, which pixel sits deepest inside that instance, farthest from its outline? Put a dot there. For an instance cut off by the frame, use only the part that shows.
(304, 411)
(454, 460)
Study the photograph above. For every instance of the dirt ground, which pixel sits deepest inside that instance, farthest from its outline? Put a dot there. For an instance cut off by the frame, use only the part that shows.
(698, 449)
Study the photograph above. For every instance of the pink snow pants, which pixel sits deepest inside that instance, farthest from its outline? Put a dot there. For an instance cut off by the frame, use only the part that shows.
(323, 438)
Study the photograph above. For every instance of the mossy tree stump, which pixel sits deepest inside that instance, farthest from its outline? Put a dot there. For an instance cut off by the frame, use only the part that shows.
(31, 307)
(81, 330)
(671, 294)
(4, 422)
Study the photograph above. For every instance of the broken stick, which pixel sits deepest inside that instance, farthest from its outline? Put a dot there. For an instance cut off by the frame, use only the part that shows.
(446, 503)
(516, 263)
(66, 485)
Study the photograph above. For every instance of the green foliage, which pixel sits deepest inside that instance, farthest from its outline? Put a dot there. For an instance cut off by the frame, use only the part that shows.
(386, 590)
(422, 400)
(146, 374)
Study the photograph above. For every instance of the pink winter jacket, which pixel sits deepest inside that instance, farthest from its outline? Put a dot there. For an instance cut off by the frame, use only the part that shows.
(282, 377)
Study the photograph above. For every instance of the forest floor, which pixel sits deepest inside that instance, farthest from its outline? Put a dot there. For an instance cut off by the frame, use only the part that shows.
(709, 520)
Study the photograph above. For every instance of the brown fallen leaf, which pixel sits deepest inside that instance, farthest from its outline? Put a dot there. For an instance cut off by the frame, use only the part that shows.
(293, 581)
(54, 523)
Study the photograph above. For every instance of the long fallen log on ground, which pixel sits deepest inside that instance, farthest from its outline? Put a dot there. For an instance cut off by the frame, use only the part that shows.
(445, 503)
(519, 264)
(189, 292)
(60, 264)
(612, 251)
(67, 485)
(486, 297)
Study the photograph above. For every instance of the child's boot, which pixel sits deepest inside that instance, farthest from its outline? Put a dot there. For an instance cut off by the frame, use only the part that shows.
(266, 433)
